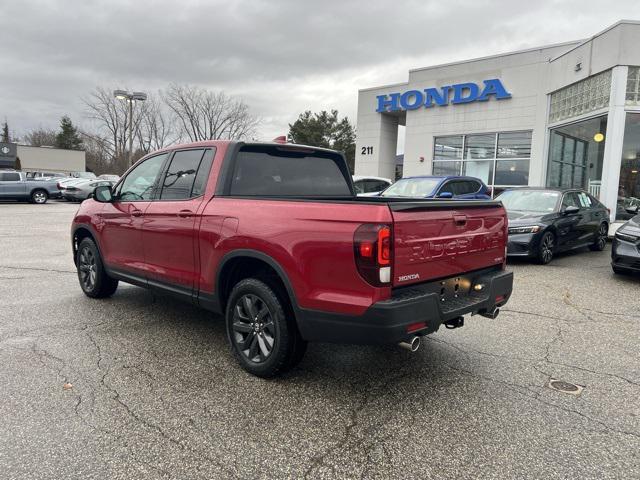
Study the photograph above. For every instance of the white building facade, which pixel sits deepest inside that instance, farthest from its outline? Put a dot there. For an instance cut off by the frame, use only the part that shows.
(564, 115)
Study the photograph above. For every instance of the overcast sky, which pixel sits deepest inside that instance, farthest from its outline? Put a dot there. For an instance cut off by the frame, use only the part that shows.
(281, 56)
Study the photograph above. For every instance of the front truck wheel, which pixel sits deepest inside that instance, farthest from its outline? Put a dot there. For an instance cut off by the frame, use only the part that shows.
(261, 329)
(94, 281)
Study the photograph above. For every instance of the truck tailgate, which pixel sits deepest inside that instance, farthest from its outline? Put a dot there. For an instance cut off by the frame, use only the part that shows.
(437, 239)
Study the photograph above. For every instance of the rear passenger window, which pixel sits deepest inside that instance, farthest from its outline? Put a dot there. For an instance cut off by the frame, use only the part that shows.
(180, 177)
(585, 201)
(203, 173)
(10, 177)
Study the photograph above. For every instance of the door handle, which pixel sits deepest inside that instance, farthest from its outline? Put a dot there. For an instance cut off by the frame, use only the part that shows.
(136, 213)
(185, 213)
(460, 219)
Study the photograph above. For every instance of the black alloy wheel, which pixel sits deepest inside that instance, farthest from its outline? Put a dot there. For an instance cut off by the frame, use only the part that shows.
(601, 238)
(94, 280)
(253, 328)
(546, 248)
(262, 329)
(87, 268)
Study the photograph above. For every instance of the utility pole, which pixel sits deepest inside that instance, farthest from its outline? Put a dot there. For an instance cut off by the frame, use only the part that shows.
(130, 97)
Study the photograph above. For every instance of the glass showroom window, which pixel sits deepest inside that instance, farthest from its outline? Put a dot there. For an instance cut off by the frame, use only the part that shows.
(576, 155)
(629, 184)
(633, 86)
(582, 97)
(500, 159)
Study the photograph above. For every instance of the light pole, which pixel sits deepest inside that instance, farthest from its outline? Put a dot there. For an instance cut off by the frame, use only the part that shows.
(130, 97)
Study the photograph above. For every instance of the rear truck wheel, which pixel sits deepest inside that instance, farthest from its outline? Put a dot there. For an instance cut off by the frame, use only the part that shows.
(93, 278)
(601, 238)
(39, 196)
(546, 248)
(263, 338)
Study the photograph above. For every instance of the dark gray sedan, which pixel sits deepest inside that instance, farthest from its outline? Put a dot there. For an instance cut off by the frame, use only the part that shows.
(625, 251)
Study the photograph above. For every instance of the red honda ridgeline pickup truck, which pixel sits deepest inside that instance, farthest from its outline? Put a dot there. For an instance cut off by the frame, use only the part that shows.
(274, 237)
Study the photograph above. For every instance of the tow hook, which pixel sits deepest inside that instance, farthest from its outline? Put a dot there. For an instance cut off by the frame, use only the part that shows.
(491, 313)
(454, 323)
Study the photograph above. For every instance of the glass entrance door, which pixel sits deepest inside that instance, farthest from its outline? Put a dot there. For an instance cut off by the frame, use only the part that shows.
(629, 184)
(576, 155)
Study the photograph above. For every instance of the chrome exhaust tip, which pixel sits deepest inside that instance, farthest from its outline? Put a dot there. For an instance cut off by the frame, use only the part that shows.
(491, 314)
(412, 344)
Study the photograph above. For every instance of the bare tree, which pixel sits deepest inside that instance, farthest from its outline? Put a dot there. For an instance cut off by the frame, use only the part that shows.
(205, 115)
(155, 128)
(41, 137)
(111, 117)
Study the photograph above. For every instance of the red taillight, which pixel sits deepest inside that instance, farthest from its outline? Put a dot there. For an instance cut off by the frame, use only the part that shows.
(372, 247)
(499, 298)
(366, 249)
(384, 246)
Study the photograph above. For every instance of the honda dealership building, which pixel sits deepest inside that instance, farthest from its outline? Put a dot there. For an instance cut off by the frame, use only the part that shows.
(564, 115)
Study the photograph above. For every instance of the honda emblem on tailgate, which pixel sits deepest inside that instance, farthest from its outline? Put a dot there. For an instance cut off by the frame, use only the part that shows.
(411, 276)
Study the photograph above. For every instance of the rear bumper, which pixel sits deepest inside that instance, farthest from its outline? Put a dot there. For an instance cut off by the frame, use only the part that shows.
(387, 321)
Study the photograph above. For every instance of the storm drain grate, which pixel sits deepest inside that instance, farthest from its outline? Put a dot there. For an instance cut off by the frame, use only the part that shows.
(565, 387)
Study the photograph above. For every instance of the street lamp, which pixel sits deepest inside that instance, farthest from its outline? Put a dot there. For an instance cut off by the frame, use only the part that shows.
(130, 97)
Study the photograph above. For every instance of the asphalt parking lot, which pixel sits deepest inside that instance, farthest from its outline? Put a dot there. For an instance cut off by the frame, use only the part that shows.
(156, 394)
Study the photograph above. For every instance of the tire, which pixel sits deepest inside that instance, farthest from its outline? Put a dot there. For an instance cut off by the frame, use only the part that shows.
(263, 338)
(546, 248)
(39, 197)
(93, 278)
(601, 238)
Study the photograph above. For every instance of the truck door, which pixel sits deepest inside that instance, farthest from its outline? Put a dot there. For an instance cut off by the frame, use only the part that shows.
(121, 236)
(168, 231)
(11, 185)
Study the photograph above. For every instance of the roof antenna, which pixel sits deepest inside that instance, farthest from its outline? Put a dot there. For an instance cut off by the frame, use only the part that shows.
(281, 139)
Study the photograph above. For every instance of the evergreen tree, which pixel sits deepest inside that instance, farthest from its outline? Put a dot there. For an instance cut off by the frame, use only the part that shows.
(325, 129)
(68, 137)
(5, 133)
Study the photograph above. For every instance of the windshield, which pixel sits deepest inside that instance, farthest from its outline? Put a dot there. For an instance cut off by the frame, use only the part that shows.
(412, 187)
(84, 175)
(538, 201)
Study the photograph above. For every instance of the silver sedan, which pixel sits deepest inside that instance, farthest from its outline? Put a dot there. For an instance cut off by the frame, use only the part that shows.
(77, 192)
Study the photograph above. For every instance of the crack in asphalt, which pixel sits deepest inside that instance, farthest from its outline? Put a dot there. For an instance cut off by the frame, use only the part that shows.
(353, 422)
(37, 269)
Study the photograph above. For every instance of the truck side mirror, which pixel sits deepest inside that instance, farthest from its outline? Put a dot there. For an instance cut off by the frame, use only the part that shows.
(103, 194)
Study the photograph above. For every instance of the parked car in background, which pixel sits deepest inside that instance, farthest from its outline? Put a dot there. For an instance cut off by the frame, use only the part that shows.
(468, 188)
(625, 251)
(87, 175)
(274, 237)
(370, 185)
(63, 183)
(81, 190)
(15, 186)
(546, 221)
(45, 175)
(107, 176)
